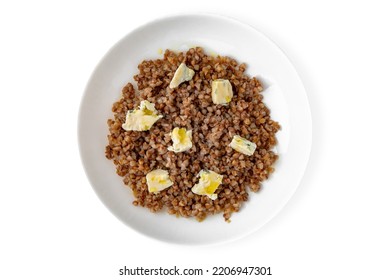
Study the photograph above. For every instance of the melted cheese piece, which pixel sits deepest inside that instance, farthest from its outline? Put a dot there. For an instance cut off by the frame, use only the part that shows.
(242, 145)
(208, 184)
(221, 91)
(141, 119)
(182, 74)
(182, 140)
(158, 180)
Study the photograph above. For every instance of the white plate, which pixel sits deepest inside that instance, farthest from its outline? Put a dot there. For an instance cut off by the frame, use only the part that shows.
(284, 95)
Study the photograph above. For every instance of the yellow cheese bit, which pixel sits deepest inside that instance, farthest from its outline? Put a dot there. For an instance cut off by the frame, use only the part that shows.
(221, 91)
(158, 180)
(242, 145)
(141, 119)
(209, 182)
(182, 74)
(182, 140)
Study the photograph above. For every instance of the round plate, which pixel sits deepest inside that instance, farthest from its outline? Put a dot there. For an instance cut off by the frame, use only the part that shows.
(284, 94)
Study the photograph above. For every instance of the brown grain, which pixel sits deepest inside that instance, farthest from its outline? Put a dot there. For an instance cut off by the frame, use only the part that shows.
(213, 127)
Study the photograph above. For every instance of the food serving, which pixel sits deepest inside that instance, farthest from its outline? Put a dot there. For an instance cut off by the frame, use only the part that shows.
(194, 136)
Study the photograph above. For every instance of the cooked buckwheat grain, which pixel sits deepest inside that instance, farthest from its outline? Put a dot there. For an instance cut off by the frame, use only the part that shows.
(213, 126)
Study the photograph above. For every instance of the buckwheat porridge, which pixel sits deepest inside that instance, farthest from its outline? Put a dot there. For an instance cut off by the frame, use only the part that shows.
(194, 136)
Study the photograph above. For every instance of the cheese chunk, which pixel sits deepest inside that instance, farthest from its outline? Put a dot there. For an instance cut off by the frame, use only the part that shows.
(182, 74)
(141, 119)
(158, 180)
(242, 145)
(221, 91)
(182, 140)
(208, 184)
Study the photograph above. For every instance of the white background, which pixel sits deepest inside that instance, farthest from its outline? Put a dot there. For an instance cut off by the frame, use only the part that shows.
(53, 226)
